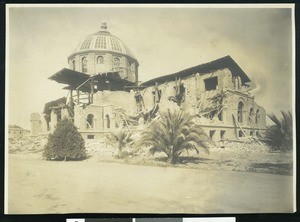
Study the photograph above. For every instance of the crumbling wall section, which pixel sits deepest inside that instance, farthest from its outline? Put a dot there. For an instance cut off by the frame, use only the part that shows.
(36, 124)
(81, 116)
(118, 99)
(148, 97)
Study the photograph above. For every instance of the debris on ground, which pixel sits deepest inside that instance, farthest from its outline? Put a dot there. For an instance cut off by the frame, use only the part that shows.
(245, 155)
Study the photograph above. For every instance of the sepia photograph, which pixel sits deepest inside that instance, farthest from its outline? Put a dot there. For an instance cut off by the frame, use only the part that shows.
(157, 109)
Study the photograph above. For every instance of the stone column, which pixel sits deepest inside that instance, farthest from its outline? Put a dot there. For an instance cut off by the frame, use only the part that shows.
(53, 117)
(44, 127)
(64, 113)
(35, 120)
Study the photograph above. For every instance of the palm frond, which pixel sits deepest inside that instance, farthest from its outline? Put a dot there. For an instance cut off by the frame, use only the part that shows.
(174, 132)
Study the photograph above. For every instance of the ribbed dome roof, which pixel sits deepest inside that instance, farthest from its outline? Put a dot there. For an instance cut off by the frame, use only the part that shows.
(103, 41)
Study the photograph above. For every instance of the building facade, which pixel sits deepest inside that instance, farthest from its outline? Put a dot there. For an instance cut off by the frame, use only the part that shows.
(104, 94)
(15, 131)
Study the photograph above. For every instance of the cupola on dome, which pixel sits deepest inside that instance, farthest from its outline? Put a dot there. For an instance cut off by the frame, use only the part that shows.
(103, 52)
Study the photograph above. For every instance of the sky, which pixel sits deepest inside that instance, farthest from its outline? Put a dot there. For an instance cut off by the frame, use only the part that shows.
(163, 39)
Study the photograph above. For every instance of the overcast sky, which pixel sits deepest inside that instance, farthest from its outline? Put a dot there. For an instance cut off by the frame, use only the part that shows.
(164, 40)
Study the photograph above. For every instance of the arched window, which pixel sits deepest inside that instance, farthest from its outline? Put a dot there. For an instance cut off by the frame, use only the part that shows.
(116, 62)
(84, 64)
(257, 117)
(251, 115)
(240, 112)
(90, 121)
(73, 64)
(100, 60)
(130, 65)
(107, 121)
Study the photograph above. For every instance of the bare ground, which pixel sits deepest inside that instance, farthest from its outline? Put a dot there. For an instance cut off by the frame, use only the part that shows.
(104, 184)
(38, 186)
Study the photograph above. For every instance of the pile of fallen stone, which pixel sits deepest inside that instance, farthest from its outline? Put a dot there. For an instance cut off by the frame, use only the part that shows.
(241, 147)
(27, 144)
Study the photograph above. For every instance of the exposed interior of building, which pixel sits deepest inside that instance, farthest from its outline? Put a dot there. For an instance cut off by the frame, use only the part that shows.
(104, 93)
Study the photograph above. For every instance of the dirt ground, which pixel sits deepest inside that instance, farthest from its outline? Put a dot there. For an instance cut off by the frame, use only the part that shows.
(219, 182)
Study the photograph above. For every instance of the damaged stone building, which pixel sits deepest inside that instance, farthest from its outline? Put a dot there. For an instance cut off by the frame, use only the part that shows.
(104, 93)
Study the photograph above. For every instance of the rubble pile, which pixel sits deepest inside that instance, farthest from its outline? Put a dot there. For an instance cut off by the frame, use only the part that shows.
(247, 146)
(99, 148)
(243, 155)
(27, 144)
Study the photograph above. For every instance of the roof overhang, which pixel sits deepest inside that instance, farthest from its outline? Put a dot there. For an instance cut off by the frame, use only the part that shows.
(54, 103)
(70, 77)
(81, 81)
(222, 63)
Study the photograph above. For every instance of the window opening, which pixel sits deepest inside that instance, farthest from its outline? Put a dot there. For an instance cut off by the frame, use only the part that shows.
(220, 115)
(116, 62)
(84, 64)
(107, 121)
(241, 134)
(211, 83)
(91, 137)
(222, 134)
(90, 121)
(257, 118)
(240, 112)
(73, 64)
(251, 113)
(211, 133)
(100, 60)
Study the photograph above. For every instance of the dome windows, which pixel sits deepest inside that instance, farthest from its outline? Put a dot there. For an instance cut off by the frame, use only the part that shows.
(86, 43)
(115, 45)
(100, 60)
(101, 52)
(73, 64)
(116, 62)
(100, 42)
(130, 66)
(84, 64)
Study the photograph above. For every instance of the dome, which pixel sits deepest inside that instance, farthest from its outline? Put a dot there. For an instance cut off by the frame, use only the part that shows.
(103, 41)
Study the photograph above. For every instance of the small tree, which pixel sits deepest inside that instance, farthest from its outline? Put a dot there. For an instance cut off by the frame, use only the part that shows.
(173, 133)
(119, 139)
(279, 136)
(65, 143)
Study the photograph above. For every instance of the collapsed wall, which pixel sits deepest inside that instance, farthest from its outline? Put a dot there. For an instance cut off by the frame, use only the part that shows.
(224, 106)
(217, 92)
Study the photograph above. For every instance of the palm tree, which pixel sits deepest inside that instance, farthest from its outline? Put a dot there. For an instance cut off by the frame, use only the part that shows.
(173, 133)
(119, 139)
(279, 136)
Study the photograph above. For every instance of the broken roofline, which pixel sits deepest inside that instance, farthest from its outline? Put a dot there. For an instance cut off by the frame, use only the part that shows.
(78, 80)
(222, 63)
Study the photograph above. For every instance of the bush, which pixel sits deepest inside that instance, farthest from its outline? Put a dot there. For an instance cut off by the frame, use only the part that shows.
(174, 133)
(65, 143)
(120, 139)
(280, 135)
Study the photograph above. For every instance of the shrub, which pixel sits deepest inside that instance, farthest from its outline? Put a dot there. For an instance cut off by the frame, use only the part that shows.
(279, 136)
(120, 139)
(173, 133)
(65, 143)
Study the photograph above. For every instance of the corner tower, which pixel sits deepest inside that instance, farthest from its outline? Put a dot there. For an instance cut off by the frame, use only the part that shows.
(103, 52)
